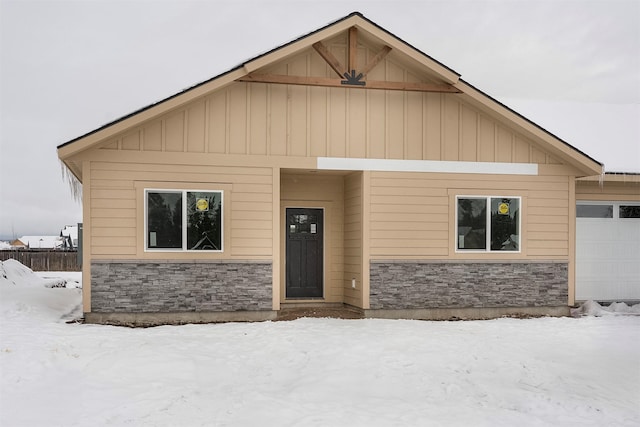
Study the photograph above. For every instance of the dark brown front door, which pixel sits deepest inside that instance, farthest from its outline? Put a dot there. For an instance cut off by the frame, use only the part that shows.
(304, 260)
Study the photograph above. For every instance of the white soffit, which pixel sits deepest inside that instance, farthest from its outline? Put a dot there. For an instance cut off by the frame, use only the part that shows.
(389, 165)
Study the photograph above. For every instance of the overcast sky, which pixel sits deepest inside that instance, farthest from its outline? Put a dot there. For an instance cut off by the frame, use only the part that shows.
(68, 67)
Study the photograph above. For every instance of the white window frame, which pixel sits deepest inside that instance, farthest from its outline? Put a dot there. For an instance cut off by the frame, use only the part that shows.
(487, 249)
(184, 192)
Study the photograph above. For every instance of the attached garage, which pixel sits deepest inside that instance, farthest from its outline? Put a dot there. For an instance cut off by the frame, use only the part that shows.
(608, 240)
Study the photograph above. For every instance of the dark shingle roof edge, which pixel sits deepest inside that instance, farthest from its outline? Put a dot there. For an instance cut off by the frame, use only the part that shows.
(533, 123)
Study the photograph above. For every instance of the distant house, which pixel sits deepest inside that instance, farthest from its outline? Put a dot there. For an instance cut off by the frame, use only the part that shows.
(345, 167)
(69, 236)
(37, 242)
(67, 240)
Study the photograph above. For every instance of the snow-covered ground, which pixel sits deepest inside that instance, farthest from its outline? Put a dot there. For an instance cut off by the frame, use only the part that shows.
(582, 371)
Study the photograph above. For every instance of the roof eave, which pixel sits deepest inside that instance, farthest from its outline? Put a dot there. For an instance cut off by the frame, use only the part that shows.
(583, 162)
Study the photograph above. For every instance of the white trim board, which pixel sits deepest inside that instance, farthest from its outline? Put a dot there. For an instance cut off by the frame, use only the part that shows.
(391, 165)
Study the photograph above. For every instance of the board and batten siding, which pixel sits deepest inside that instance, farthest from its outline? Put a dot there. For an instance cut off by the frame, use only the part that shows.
(116, 203)
(263, 119)
(279, 120)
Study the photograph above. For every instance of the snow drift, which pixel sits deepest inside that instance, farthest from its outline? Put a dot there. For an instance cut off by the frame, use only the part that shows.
(311, 372)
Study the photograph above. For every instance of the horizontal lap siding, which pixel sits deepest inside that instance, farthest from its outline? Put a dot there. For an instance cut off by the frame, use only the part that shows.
(409, 215)
(608, 191)
(113, 215)
(412, 214)
(115, 208)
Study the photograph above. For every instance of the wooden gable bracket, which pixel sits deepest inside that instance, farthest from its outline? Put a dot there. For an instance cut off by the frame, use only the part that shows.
(349, 77)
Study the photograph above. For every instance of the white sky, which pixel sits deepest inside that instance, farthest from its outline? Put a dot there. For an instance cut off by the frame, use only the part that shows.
(68, 67)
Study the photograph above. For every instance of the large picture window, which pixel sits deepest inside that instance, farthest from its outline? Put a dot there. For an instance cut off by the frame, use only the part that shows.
(488, 223)
(183, 220)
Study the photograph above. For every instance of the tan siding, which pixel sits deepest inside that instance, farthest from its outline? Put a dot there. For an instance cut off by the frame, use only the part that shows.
(395, 125)
(278, 120)
(486, 140)
(258, 112)
(412, 215)
(298, 106)
(521, 151)
(318, 124)
(112, 223)
(117, 208)
(196, 128)
(237, 120)
(174, 131)
(357, 124)
(217, 122)
(353, 262)
(504, 145)
(469, 135)
(414, 126)
(152, 137)
(616, 191)
(131, 141)
(432, 114)
(376, 123)
(338, 122)
(451, 124)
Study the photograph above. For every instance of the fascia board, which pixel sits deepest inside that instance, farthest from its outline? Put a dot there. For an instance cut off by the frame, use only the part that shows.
(630, 177)
(400, 45)
(134, 119)
(302, 43)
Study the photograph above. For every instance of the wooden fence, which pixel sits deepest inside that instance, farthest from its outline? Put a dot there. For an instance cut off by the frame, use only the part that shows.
(44, 260)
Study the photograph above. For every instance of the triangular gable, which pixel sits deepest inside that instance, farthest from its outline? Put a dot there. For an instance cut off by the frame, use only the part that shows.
(344, 69)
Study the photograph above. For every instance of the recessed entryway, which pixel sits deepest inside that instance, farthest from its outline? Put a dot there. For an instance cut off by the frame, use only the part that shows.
(304, 252)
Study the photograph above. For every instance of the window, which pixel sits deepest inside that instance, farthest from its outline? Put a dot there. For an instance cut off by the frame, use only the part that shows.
(488, 223)
(183, 220)
(607, 210)
(629, 211)
(594, 211)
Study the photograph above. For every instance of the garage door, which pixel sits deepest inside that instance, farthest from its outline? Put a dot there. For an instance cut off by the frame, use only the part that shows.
(608, 251)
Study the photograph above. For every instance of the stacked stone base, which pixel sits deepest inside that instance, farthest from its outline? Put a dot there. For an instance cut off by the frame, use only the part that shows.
(144, 293)
(468, 289)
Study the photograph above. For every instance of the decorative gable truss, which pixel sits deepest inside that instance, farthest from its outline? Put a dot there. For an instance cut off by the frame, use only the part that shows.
(355, 74)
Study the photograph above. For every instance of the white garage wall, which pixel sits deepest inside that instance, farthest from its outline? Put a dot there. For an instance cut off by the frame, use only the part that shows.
(608, 256)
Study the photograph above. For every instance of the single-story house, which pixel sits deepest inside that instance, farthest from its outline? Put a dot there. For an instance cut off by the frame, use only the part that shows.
(343, 168)
(36, 242)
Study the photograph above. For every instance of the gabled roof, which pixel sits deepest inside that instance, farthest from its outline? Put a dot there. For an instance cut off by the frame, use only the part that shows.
(581, 161)
(41, 242)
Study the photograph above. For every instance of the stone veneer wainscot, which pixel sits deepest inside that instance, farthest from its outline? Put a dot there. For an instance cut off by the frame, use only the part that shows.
(180, 286)
(420, 284)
